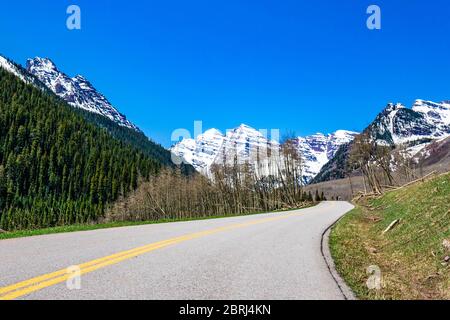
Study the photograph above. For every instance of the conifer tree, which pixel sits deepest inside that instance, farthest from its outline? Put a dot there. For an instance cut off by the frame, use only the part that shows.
(58, 168)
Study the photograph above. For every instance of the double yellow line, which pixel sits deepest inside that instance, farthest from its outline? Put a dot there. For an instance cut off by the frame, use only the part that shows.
(47, 280)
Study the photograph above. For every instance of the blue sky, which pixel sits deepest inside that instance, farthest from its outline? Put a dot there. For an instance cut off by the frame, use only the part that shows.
(303, 66)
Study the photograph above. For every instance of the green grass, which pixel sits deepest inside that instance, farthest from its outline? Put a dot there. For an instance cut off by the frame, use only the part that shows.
(88, 227)
(411, 255)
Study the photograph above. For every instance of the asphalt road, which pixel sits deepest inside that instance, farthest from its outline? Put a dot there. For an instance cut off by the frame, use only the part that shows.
(267, 256)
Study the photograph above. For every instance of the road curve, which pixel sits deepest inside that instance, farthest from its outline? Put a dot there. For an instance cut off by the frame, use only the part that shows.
(268, 256)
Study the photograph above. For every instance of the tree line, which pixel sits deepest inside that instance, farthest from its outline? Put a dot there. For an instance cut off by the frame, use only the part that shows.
(233, 188)
(60, 166)
(55, 167)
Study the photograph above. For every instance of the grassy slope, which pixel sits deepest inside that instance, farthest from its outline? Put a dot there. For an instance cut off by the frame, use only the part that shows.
(411, 255)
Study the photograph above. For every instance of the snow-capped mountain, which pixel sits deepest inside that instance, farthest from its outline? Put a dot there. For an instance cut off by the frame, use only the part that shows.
(425, 122)
(200, 152)
(246, 144)
(213, 146)
(436, 114)
(317, 150)
(20, 72)
(77, 91)
(417, 129)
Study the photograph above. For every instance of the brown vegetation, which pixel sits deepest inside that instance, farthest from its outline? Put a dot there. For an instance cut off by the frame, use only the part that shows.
(382, 167)
(233, 189)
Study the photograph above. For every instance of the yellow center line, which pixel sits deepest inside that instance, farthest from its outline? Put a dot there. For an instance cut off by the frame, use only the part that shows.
(27, 287)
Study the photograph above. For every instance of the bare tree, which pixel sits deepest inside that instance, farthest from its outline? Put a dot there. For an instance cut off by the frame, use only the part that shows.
(269, 183)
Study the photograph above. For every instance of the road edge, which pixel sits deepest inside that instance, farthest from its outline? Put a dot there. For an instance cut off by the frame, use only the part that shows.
(326, 254)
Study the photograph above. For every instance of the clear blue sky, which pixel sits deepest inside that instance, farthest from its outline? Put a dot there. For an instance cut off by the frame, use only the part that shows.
(303, 66)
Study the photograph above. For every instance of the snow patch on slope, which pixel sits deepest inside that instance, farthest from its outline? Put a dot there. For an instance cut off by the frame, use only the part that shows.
(10, 67)
(77, 91)
(246, 144)
(21, 73)
(317, 150)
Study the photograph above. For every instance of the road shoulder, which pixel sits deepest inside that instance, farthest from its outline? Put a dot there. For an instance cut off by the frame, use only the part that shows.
(326, 253)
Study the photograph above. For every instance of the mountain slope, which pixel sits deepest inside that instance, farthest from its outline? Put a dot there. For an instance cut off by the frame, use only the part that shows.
(397, 124)
(55, 167)
(77, 91)
(336, 168)
(247, 144)
(317, 150)
(123, 131)
(415, 129)
(135, 139)
(435, 155)
(21, 73)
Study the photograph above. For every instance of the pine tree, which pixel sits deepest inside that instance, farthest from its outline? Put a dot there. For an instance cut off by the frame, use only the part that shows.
(56, 166)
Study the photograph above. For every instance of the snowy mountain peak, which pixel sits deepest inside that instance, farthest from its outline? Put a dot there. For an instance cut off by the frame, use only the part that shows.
(344, 134)
(244, 130)
(212, 133)
(423, 105)
(77, 91)
(244, 142)
(419, 102)
(393, 107)
(20, 72)
(416, 127)
(245, 127)
(42, 64)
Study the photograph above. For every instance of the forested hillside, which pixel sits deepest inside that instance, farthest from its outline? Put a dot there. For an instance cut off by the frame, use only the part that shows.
(135, 139)
(337, 167)
(55, 167)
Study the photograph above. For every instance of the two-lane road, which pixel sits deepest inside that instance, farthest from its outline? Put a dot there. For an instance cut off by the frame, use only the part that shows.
(267, 256)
